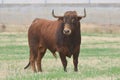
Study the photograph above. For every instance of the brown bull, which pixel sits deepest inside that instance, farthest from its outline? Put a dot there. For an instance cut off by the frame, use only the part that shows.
(62, 35)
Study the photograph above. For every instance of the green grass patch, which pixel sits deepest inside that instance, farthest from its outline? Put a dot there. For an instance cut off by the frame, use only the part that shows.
(100, 34)
(100, 52)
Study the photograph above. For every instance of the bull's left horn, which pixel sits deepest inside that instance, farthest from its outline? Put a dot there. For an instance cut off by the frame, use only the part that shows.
(84, 14)
(55, 15)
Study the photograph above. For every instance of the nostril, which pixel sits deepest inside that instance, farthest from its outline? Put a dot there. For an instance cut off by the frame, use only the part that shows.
(67, 31)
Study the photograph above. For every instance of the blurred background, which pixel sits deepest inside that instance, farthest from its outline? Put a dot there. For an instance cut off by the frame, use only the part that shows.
(17, 15)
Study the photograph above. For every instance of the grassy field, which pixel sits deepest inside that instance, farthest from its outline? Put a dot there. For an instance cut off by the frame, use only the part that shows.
(99, 59)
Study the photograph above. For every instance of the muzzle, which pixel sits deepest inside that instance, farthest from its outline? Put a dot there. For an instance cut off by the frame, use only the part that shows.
(67, 29)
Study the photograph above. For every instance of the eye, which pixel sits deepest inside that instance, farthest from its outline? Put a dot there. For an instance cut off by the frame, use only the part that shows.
(64, 20)
(73, 20)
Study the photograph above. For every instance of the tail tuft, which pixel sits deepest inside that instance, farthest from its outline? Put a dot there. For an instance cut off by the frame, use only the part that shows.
(27, 66)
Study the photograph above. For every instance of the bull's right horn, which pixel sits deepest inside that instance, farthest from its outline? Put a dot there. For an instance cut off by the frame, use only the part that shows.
(55, 15)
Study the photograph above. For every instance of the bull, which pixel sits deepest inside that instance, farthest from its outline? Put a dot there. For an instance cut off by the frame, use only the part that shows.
(62, 35)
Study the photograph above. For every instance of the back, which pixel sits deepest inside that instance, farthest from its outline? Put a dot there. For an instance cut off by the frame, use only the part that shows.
(43, 32)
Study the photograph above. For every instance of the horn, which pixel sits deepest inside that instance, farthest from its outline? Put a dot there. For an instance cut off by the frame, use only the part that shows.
(55, 15)
(84, 14)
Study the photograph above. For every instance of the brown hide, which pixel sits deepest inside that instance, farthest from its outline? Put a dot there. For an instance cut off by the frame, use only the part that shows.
(42, 33)
(53, 35)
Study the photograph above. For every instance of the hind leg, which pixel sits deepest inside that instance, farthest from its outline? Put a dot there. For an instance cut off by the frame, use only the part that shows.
(41, 53)
(33, 54)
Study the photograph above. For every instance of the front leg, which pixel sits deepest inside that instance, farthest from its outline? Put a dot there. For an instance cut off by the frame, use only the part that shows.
(64, 61)
(75, 60)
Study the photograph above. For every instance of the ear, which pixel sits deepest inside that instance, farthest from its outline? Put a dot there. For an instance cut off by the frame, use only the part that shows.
(61, 18)
(79, 18)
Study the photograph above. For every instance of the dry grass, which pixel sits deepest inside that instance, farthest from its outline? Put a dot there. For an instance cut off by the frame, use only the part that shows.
(15, 28)
(92, 28)
(96, 28)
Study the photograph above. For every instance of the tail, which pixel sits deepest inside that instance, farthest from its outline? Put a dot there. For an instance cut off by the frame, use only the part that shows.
(27, 66)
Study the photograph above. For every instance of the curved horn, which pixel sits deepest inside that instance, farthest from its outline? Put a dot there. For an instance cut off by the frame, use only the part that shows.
(84, 14)
(55, 15)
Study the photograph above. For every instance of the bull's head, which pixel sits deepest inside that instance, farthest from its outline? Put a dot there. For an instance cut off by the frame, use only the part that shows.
(70, 19)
